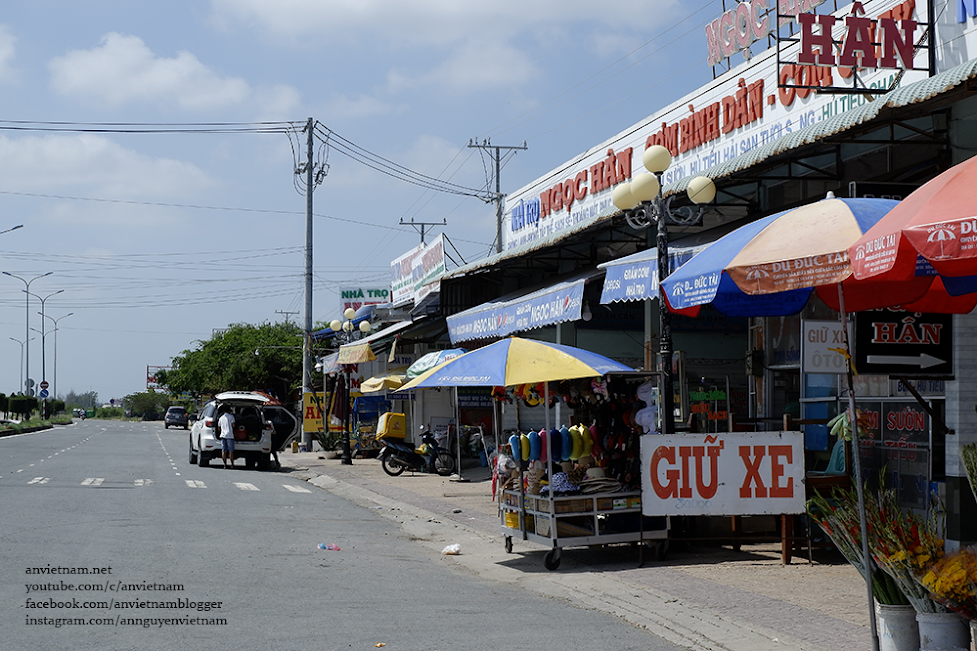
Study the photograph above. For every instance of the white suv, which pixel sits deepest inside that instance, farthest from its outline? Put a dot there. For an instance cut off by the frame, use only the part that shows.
(252, 430)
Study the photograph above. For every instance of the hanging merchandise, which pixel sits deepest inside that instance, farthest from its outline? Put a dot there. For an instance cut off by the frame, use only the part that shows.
(534, 445)
(592, 494)
(566, 443)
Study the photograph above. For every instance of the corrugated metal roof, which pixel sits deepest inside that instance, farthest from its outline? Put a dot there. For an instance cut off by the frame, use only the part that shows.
(914, 93)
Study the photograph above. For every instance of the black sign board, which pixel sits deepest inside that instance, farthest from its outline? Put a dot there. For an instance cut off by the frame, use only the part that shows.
(896, 342)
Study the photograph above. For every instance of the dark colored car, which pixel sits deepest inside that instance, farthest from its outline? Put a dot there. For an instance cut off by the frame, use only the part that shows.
(177, 417)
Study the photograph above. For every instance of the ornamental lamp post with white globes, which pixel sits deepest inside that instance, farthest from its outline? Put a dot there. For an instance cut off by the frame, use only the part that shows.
(642, 203)
(345, 333)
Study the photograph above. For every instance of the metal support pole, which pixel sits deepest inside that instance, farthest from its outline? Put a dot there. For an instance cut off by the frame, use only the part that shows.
(867, 563)
(307, 326)
(347, 458)
(666, 390)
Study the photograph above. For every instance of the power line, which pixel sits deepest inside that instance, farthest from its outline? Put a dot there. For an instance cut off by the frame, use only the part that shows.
(147, 127)
(392, 169)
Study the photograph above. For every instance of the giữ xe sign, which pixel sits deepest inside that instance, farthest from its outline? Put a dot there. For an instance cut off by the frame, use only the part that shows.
(737, 473)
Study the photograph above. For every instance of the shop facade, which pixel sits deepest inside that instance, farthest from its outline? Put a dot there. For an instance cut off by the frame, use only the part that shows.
(770, 142)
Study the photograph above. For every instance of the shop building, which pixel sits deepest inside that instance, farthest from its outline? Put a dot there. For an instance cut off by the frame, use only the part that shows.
(774, 132)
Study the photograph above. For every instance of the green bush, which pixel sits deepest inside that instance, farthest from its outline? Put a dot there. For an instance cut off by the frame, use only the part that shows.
(109, 412)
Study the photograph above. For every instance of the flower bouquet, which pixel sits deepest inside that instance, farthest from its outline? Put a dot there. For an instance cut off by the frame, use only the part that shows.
(904, 545)
(952, 581)
(838, 517)
(969, 455)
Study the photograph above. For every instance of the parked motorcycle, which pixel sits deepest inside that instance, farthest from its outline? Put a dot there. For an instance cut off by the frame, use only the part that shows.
(396, 456)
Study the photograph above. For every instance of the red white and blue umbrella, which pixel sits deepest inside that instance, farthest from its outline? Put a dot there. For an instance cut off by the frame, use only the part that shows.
(771, 267)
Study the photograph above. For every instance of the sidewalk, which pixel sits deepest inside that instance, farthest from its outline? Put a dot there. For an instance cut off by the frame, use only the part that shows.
(700, 597)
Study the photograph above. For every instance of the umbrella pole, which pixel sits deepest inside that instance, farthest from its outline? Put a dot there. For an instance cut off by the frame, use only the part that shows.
(857, 465)
(458, 437)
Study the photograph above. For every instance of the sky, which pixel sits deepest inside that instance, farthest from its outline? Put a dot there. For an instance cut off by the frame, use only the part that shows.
(155, 231)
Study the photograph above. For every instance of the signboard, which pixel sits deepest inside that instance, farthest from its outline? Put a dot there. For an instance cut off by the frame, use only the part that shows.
(151, 372)
(736, 473)
(896, 441)
(357, 297)
(896, 342)
(402, 277)
(428, 266)
(311, 413)
(823, 347)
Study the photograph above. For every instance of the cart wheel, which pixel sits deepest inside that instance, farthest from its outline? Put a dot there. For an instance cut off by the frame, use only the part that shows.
(661, 550)
(508, 544)
(552, 559)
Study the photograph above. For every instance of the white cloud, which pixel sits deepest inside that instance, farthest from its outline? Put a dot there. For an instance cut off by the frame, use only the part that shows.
(434, 22)
(277, 102)
(474, 66)
(362, 106)
(8, 44)
(122, 69)
(94, 166)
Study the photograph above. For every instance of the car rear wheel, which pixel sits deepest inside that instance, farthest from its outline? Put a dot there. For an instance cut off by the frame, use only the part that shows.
(203, 460)
(193, 455)
(264, 461)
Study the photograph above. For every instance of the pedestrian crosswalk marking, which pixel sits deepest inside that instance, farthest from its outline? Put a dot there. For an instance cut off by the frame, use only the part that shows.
(93, 481)
(296, 489)
(39, 480)
(245, 486)
(195, 483)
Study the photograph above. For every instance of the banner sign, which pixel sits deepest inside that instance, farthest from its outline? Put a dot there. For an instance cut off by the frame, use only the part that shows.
(755, 473)
(357, 297)
(823, 347)
(556, 304)
(311, 413)
(743, 109)
(402, 277)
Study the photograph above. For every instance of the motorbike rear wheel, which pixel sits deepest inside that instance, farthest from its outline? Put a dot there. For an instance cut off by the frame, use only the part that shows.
(392, 466)
(444, 464)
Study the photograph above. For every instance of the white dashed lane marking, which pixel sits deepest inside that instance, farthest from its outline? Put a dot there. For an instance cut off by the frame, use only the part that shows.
(245, 486)
(39, 480)
(93, 481)
(195, 483)
(296, 489)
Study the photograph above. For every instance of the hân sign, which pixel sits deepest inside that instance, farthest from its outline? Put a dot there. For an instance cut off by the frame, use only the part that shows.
(865, 43)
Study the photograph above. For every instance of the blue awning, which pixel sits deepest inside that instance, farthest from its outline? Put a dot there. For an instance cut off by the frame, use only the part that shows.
(635, 277)
(554, 304)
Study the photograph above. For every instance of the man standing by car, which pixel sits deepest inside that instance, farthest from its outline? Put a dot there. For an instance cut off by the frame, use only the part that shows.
(225, 431)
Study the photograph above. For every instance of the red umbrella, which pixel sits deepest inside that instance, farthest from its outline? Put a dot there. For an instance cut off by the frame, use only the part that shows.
(932, 231)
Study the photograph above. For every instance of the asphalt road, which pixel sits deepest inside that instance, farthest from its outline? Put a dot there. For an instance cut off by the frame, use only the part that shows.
(182, 557)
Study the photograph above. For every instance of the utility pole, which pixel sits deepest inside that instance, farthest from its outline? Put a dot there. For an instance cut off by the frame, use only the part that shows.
(285, 314)
(422, 230)
(497, 157)
(307, 386)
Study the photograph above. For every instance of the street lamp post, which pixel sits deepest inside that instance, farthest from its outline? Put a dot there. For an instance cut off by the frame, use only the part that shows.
(345, 333)
(27, 326)
(21, 357)
(43, 331)
(642, 203)
(55, 331)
